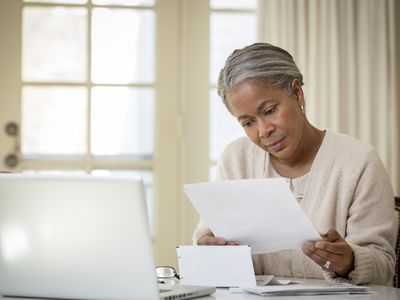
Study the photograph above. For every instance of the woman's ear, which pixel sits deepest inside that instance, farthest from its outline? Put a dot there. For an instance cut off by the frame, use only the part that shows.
(297, 92)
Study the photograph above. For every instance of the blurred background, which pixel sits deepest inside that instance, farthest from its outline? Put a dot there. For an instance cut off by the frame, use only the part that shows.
(129, 86)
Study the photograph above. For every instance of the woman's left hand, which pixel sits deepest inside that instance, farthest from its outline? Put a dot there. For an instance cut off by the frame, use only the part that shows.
(332, 253)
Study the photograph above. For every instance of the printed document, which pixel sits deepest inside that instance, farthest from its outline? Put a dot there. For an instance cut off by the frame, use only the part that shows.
(262, 213)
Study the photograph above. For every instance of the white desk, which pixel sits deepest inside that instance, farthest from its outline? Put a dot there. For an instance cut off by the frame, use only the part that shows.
(380, 293)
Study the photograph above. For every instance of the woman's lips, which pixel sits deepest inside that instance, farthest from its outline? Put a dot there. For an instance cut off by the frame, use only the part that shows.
(276, 146)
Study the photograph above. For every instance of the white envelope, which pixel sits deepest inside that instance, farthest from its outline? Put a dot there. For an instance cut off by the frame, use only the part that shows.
(219, 266)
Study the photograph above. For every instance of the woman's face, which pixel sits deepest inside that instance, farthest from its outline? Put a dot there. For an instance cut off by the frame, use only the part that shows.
(271, 118)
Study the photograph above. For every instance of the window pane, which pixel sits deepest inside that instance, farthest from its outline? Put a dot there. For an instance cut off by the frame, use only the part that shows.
(236, 4)
(147, 177)
(123, 46)
(58, 1)
(124, 2)
(224, 128)
(54, 44)
(229, 31)
(54, 172)
(122, 121)
(53, 120)
(212, 172)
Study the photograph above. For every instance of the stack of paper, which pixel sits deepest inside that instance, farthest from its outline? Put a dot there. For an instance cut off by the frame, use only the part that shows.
(271, 280)
(307, 289)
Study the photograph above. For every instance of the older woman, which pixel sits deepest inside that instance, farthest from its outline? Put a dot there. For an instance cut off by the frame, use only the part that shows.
(340, 182)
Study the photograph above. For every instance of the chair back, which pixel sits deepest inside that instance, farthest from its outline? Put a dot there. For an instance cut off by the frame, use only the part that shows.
(396, 278)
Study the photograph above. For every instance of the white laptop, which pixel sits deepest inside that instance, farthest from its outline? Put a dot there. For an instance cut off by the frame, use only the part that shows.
(78, 237)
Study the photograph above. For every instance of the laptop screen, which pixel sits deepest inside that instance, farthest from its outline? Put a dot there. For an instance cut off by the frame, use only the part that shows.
(75, 237)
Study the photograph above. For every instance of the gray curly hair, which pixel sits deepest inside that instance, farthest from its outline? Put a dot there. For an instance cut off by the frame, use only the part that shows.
(259, 61)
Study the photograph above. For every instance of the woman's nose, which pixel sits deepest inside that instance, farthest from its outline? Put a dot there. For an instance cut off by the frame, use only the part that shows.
(265, 128)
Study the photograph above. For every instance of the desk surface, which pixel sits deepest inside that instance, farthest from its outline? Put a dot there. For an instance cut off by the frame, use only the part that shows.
(379, 293)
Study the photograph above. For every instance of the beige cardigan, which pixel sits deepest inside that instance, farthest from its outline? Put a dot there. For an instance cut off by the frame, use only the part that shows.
(348, 189)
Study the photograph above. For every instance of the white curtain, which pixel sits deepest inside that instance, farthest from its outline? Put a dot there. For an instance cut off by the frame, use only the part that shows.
(346, 52)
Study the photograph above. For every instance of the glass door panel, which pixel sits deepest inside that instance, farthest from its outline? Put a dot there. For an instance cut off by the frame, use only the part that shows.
(122, 46)
(122, 121)
(124, 2)
(233, 24)
(223, 126)
(54, 44)
(54, 120)
(58, 1)
(237, 4)
(229, 31)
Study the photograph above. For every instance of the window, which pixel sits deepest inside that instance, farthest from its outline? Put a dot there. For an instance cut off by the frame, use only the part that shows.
(88, 87)
(233, 24)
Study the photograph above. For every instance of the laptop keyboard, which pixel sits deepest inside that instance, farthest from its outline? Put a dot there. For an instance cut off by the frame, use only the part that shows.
(164, 287)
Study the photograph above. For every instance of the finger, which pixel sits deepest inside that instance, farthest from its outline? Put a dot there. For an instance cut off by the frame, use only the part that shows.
(321, 257)
(326, 262)
(310, 250)
(332, 236)
(231, 243)
(211, 240)
(327, 254)
(205, 238)
(219, 241)
(335, 248)
(307, 246)
(318, 258)
(323, 248)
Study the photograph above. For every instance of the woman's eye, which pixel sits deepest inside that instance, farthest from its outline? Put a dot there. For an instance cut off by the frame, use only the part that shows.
(270, 110)
(248, 123)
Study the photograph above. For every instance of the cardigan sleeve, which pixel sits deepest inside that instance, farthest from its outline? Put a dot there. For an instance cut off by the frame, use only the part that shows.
(371, 226)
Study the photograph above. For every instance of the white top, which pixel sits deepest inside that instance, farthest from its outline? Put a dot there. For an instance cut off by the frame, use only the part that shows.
(297, 185)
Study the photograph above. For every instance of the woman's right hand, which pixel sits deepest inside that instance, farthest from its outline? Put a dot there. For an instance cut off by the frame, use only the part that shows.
(209, 239)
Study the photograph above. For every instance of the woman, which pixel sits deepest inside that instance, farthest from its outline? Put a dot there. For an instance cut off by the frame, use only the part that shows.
(340, 182)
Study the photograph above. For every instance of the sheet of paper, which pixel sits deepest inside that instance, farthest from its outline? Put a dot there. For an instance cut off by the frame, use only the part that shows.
(271, 280)
(306, 289)
(219, 266)
(262, 213)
